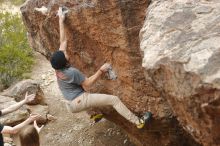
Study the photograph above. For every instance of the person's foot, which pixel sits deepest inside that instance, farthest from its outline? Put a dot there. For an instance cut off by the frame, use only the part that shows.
(96, 117)
(144, 119)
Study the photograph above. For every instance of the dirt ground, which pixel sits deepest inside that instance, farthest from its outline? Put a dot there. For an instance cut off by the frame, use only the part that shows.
(71, 129)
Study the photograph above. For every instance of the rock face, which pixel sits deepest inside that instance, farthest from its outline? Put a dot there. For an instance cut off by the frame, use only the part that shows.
(100, 31)
(180, 41)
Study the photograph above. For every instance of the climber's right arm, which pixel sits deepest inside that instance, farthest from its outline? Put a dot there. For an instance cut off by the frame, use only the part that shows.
(63, 38)
(88, 82)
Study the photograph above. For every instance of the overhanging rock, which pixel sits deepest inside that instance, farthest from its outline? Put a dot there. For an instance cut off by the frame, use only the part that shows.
(100, 31)
(180, 43)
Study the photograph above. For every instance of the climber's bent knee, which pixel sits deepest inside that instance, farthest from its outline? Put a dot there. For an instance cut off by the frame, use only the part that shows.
(115, 100)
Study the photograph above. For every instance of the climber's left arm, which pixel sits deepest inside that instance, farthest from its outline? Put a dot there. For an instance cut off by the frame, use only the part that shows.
(63, 37)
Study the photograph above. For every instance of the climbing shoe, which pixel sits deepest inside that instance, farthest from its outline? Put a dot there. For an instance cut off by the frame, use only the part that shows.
(97, 117)
(144, 119)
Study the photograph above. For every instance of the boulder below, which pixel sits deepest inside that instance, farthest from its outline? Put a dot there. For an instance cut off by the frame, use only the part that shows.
(15, 117)
(15, 94)
(19, 90)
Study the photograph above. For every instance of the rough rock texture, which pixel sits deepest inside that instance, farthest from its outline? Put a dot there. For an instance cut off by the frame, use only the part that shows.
(19, 90)
(181, 45)
(17, 93)
(108, 30)
(39, 109)
(15, 117)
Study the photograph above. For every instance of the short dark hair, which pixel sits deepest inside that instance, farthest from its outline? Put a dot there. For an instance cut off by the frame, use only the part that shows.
(58, 60)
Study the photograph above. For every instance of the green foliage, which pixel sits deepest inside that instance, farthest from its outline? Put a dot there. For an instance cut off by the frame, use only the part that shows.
(13, 2)
(17, 2)
(15, 53)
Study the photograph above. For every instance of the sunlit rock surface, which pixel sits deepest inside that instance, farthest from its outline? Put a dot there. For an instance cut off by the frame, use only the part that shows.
(180, 41)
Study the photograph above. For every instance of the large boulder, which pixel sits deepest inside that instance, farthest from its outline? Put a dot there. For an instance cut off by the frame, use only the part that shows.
(100, 31)
(19, 90)
(43, 110)
(180, 41)
(16, 93)
(15, 117)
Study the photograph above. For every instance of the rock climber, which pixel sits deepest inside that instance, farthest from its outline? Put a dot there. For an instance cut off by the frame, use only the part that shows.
(73, 83)
(14, 130)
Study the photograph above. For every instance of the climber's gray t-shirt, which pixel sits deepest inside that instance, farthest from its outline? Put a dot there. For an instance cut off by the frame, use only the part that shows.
(70, 86)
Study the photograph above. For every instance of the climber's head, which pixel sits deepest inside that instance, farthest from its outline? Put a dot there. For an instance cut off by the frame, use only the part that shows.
(58, 60)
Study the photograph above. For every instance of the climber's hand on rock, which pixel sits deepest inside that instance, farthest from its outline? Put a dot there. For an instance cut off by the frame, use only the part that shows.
(105, 67)
(60, 14)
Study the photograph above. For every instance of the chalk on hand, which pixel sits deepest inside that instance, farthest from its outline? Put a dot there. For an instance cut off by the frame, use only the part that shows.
(111, 74)
(62, 11)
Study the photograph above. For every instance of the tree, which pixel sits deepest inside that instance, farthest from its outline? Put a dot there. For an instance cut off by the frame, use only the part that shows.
(15, 53)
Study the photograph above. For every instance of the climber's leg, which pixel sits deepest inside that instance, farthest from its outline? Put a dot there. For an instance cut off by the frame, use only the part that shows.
(97, 100)
(144, 119)
(78, 104)
(87, 100)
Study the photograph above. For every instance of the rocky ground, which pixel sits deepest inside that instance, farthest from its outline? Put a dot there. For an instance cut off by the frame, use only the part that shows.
(71, 129)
